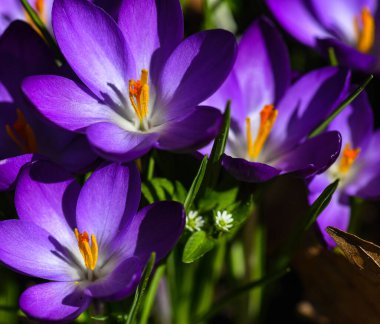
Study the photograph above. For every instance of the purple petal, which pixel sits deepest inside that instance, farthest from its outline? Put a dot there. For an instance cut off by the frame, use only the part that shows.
(152, 30)
(335, 214)
(54, 301)
(94, 47)
(194, 71)
(306, 105)
(10, 168)
(120, 282)
(29, 249)
(116, 144)
(46, 195)
(65, 102)
(156, 228)
(9, 10)
(357, 134)
(341, 25)
(246, 171)
(348, 56)
(316, 154)
(262, 66)
(297, 18)
(109, 200)
(193, 132)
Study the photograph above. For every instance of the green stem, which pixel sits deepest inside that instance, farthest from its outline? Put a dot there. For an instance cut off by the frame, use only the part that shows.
(227, 299)
(151, 294)
(255, 299)
(150, 171)
(332, 57)
(183, 311)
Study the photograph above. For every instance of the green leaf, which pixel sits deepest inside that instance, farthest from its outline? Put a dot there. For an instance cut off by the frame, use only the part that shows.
(180, 192)
(147, 193)
(340, 108)
(139, 294)
(218, 148)
(42, 28)
(217, 199)
(332, 57)
(197, 182)
(196, 246)
(320, 204)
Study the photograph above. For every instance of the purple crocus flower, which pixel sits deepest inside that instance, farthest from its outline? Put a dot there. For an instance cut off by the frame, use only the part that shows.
(271, 120)
(24, 134)
(350, 27)
(90, 242)
(142, 82)
(11, 10)
(357, 168)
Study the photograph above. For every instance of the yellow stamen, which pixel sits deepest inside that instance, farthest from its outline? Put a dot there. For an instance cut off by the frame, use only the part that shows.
(364, 25)
(139, 95)
(89, 254)
(268, 116)
(348, 158)
(22, 134)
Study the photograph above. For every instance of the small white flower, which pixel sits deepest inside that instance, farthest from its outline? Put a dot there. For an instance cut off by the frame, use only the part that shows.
(194, 222)
(224, 221)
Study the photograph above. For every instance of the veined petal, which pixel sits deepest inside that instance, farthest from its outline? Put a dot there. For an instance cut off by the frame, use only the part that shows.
(195, 131)
(54, 301)
(65, 102)
(94, 46)
(10, 168)
(194, 71)
(152, 29)
(108, 201)
(116, 144)
(31, 250)
(46, 195)
(296, 17)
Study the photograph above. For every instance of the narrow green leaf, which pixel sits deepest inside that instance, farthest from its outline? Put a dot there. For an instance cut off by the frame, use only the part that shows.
(332, 57)
(197, 182)
(139, 294)
(218, 148)
(147, 193)
(227, 299)
(151, 294)
(42, 28)
(196, 246)
(320, 204)
(340, 108)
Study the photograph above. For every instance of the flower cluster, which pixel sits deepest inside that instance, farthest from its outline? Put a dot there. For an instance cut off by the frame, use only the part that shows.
(94, 93)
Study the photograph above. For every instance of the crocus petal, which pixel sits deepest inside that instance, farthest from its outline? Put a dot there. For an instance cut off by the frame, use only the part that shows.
(46, 195)
(347, 55)
(336, 215)
(65, 102)
(156, 228)
(297, 18)
(356, 133)
(124, 278)
(193, 132)
(54, 301)
(117, 144)
(94, 46)
(10, 168)
(31, 250)
(246, 171)
(341, 25)
(305, 106)
(152, 30)
(262, 66)
(319, 153)
(194, 71)
(108, 200)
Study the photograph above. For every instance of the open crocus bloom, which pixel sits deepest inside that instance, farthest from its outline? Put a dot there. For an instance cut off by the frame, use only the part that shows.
(270, 120)
(357, 168)
(91, 242)
(350, 27)
(24, 134)
(141, 82)
(11, 10)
